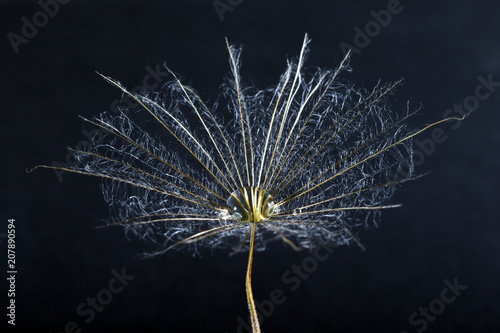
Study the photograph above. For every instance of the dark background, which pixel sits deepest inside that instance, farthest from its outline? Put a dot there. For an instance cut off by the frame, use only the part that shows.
(447, 227)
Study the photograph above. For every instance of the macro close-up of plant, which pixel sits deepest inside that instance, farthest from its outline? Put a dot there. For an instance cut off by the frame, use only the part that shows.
(307, 162)
(246, 167)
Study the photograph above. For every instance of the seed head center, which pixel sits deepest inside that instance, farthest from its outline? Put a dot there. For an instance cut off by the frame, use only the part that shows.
(250, 204)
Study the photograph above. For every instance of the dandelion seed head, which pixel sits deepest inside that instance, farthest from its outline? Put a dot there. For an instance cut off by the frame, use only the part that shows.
(315, 150)
(309, 161)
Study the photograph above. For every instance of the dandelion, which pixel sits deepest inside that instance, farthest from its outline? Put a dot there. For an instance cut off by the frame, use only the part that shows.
(307, 161)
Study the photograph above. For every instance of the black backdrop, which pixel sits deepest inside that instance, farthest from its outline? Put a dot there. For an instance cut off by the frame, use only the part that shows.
(446, 229)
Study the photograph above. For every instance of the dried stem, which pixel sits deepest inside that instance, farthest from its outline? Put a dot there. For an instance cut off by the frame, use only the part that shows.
(251, 303)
